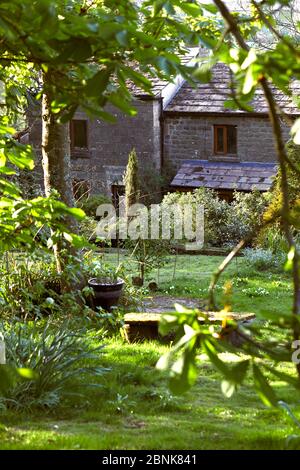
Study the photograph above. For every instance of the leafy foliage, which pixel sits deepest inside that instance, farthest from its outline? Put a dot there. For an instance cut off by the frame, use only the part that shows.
(99, 48)
(197, 333)
(273, 212)
(263, 260)
(57, 359)
(224, 223)
(90, 203)
(22, 221)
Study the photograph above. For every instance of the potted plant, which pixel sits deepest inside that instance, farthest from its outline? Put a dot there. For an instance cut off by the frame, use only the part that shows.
(107, 286)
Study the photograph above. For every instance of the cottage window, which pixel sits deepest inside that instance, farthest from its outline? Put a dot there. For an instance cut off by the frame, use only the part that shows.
(78, 134)
(225, 140)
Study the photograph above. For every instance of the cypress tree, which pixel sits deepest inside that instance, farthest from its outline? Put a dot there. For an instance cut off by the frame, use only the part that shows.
(132, 182)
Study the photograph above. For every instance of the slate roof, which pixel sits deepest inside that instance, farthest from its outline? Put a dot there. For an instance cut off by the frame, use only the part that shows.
(242, 176)
(158, 84)
(210, 97)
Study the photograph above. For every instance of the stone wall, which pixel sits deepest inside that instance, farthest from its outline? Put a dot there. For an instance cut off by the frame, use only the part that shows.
(185, 137)
(109, 144)
(191, 137)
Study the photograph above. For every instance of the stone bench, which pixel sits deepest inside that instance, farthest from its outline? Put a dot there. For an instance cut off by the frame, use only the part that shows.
(141, 326)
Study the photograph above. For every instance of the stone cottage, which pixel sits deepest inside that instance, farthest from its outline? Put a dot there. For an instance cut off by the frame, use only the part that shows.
(183, 132)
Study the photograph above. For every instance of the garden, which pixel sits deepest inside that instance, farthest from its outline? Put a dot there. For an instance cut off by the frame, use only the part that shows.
(221, 367)
(123, 402)
(84, 386)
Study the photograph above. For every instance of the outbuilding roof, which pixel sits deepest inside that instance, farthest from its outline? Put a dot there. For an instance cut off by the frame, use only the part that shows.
(240, 176)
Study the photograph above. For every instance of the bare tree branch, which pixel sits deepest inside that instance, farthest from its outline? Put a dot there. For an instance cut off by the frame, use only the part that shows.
(211, 291)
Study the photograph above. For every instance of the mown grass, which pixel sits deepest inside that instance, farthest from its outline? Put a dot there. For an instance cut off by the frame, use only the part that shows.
(134, 409)
(252, 290)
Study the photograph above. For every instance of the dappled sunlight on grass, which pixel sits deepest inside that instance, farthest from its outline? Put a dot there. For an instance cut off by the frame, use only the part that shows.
(133, 407)
(134, 410)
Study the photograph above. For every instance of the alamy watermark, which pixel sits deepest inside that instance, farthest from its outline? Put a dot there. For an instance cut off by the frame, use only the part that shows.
(296, 353)
(181, 223)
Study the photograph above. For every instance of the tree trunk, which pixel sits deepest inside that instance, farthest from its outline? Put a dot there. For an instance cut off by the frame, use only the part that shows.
(56, 158)
(56, 154)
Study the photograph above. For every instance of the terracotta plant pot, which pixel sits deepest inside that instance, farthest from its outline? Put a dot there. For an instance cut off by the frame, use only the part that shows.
(107, 292)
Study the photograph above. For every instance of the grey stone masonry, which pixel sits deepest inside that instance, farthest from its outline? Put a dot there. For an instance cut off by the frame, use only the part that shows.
(192, 137)
(109, 145)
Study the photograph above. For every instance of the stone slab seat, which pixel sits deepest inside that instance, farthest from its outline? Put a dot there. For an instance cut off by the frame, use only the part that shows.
(140, 326)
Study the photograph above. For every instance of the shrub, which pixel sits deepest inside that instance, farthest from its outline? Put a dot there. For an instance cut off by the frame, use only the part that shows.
(225, 223)
(90, 203)
(245, 213)
(88, 228)
(31, 288)
(215, 212)
(273, 239)
(272, 236)
(263, 260)
(57, 357)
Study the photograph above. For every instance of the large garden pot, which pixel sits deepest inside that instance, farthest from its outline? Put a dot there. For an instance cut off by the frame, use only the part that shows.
(107, 292)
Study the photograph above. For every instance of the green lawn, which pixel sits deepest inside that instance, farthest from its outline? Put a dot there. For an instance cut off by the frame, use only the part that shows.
(252, 291)
(134, 409)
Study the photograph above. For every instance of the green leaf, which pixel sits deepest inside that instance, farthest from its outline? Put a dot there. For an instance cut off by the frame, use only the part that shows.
(77, 50)
(136, 77)
(290, 259)
(228, 388)
(250, 59)
(7, 171)
(68, 237)
(122, 38)
(2, 159)
(9, 188)
(181, 309)
(76, 212)
(263, 389)
(21, 156)
(211, 8)
(117, 100)
(284, 377)
(213, 356)
(239, 371)
(27, 373)
(191, 9)
(168, 322)
(250, 81)
(203, 73)
(98, 83)
(164, 361)
(183, 373)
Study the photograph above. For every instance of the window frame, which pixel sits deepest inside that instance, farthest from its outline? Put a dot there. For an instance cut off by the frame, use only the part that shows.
(72, 135)
(224, 127)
